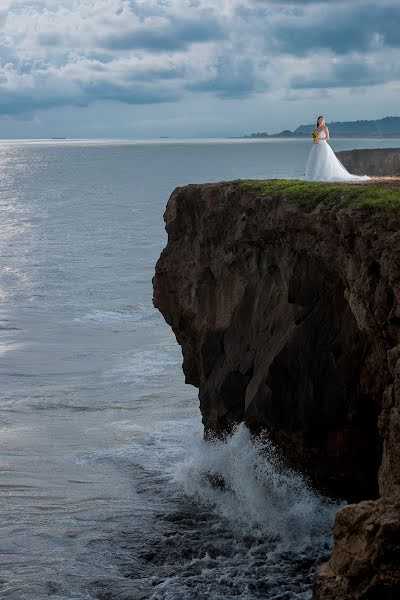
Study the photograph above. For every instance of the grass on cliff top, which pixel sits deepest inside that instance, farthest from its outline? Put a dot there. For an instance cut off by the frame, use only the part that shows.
(310, 193)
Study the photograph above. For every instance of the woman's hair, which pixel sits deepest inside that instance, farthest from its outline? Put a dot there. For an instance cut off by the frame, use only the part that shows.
(320, 117)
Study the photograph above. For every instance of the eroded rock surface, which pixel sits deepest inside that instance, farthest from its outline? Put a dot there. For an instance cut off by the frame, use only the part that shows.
(366, 556)
(288, 320)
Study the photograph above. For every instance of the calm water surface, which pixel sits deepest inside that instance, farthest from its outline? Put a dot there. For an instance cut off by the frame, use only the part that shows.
(102, 491)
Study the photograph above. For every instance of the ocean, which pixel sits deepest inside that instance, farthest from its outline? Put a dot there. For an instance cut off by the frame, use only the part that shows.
(105, 490)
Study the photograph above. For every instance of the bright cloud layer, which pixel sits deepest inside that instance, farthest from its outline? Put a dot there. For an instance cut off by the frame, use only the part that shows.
(76, 53)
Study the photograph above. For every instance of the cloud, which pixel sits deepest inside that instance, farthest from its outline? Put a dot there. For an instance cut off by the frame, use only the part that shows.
(350, 74)
(169, 35)
(341, 29)
(138, 52)
(231, 78)
(34, 86)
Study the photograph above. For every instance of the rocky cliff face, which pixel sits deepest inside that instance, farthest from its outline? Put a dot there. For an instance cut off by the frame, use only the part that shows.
(288, 316)
(376, 161)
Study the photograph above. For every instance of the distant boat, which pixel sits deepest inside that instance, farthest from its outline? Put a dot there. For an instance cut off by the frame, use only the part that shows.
(58, 138)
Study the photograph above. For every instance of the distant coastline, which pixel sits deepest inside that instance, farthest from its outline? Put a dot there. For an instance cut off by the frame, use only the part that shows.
(388, 127)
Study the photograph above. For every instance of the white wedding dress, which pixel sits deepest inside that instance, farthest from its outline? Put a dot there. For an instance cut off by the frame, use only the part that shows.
(323, 165)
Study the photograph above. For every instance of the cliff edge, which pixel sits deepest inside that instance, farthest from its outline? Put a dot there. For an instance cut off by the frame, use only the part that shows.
(284, 297)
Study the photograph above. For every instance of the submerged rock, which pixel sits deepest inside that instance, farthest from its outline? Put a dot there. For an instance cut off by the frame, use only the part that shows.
(285, 299)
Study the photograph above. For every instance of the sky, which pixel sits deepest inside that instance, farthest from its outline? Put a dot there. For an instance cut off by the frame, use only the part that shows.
(193, 68)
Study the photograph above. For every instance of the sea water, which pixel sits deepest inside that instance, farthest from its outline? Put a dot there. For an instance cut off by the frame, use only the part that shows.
(105, 489)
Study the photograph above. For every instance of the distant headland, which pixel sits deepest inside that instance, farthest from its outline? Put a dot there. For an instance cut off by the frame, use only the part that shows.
(388, 127)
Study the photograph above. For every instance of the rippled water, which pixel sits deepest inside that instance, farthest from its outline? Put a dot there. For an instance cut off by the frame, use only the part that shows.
(105, 486)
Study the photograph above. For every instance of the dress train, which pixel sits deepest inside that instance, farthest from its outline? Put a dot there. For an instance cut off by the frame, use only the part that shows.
(323, 164)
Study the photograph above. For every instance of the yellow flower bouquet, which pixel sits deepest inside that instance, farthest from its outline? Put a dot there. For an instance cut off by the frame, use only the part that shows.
(314, 135)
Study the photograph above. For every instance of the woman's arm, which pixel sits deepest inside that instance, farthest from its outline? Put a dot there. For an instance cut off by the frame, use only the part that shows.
(326, 132)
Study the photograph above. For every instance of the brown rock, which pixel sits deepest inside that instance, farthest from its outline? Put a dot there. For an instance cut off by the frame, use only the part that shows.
(365, 563)
(289, 320)
(374, 161)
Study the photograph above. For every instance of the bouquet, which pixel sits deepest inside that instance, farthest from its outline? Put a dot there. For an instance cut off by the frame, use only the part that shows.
(314, 135)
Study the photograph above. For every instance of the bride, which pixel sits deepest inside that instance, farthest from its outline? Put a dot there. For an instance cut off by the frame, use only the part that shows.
(322, 163)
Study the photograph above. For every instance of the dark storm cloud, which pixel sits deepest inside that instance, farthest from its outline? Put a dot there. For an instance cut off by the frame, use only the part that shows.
(161, 74)
(23, 103)
(341, 30)
(352, 74)
(133, 94)
(299, 3)
(18, 103)
(231, 79)
(174, 35)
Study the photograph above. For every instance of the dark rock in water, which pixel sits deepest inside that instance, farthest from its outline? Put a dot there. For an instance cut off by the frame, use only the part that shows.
(375, 161)
(217, 480)
(289, 320)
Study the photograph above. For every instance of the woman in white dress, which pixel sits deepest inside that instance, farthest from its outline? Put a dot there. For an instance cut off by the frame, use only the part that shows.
(322, 163)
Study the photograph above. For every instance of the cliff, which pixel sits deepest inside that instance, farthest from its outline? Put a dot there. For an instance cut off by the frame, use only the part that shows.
(375, 161)
(284, 297)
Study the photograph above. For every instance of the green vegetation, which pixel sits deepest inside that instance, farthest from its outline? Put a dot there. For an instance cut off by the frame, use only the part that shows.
(310, 193)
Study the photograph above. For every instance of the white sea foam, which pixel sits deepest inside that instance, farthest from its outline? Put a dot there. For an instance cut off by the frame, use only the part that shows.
(246, 527)
(233, 522)
(254, 491)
